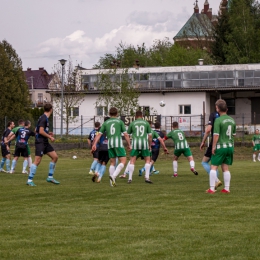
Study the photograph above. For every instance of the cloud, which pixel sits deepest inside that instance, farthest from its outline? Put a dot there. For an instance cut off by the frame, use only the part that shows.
(141, 27)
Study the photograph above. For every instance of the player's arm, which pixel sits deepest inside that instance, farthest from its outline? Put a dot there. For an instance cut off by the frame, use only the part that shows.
(43, 133)
(215, 136)
(207, 132)
(127, 138)
(163, 144)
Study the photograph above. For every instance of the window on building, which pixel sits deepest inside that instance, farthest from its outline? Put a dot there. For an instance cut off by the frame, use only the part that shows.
(231, 104)
(144, 77)
(75, 111)
(168, 84)
(40, 97)
(185, 109)
(101, 111)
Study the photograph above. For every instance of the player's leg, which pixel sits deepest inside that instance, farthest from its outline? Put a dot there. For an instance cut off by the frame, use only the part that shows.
(29, 157)
(37, 161)
(121, 154)
(54, 158)
(94, 163)
(131, 166)
(187, 153)
(254, 156)
(25, 164)
(8, 162)
(175, 165)
(14, 161)
(228, 160)
(112, 156)
(212, 178)
(155, 154)
(206, 159)
(147, 168)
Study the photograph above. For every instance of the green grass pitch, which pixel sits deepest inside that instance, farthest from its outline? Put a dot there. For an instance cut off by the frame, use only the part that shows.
(171, 219)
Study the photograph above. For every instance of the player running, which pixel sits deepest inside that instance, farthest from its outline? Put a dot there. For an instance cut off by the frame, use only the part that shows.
(141, 145)
(157, 140)
(5, 148)
(181, 146)
(22, 136)
(91, 138)
(222, 147)
(256, 145)
(114, 128)
(42, 147)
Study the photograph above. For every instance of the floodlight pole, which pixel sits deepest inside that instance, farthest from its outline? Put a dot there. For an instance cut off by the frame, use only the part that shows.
(62, 62)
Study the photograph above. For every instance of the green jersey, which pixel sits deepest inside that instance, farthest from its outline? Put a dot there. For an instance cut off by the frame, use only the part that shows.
(14, 130)
(256, 139)
(114, 128)
(225, 127)
(155, 135)
(139, 129)
(178, 138)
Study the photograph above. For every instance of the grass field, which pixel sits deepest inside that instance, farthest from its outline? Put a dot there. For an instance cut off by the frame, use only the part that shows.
(171, 219)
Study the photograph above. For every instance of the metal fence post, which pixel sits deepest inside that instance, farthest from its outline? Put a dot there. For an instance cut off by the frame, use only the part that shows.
(81, 131)
(243, 125)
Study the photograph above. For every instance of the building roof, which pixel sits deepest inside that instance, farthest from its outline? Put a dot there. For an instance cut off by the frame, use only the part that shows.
(199, 25)
(37, 79)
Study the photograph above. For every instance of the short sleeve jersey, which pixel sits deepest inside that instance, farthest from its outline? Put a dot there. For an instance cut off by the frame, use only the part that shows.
(92, 136)
(212, 119)
(5, 134)
(155, 136)
(256, 139)
(14, 130)
(113, 127)
(139, 129)
(23, 135)
(178, 138)
(225, 127)
(43, 121)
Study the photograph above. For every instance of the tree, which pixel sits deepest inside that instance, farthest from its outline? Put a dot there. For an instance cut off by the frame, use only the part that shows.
(73, 93)
(14, 98)
(117, 89)
(161, 53)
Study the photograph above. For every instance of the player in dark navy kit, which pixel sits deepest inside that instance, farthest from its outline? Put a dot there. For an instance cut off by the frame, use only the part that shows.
(207, 156)
(22, 136)
(94, 166)
(42, 146)
(5, 148)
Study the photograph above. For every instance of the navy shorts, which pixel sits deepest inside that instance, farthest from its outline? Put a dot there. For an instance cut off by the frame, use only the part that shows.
(42, 148)
(4, 150)
(155, 154)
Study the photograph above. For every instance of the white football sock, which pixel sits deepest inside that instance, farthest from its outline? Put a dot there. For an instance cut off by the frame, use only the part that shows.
(254, 156)
(131, 168)
(147, 167)
(227, 178)
(111, 170)
(175, 166)
(192, 164)
(127, 168)
(212, 179)
(119, 167)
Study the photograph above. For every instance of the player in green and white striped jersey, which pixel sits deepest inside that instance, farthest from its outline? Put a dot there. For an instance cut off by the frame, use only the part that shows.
(141, 144)
(181, 147)
(222, 147)
(114, 128)
(256, 145)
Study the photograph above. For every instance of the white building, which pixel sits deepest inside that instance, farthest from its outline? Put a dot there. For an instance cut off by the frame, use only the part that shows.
(188, 91)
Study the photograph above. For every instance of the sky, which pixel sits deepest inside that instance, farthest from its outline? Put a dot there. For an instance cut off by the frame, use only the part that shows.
(43, 32)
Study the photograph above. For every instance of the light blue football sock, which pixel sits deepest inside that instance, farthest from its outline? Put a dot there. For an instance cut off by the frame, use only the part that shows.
(8, 162)
(51, 169)
(25, 164)
(13, 164)
(2, 163)
(32, 172)
(116, 161)
(97, 167)
(206, 166)
(151, 168)
(143, 169)
(102, 170)
(93, 165)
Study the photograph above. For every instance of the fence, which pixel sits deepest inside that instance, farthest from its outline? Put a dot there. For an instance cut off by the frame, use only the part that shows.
(247, 123)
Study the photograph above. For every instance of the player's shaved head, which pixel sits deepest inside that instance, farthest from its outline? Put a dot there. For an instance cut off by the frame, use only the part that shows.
(175, 124)
(113, 111)
(97, 124)
(222, 107)
(219, 101)
(20, 122)
(138, 113)
(157, 125)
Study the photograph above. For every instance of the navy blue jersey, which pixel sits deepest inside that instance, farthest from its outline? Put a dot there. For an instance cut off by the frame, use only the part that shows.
(5, 134)
(23, 135)
(155, 141)
(212, 119)
(43, 121)
(92, 136)
(103, 143)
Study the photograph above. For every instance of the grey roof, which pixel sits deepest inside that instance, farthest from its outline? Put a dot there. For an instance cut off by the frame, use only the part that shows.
(199, 25)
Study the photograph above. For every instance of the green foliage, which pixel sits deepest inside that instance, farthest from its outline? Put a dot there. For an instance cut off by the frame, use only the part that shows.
(117, 90)
(161, 53)
(14, 98)
(237, 35)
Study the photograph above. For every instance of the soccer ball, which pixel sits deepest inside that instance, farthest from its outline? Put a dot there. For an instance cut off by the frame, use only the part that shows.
(74, 157)
(162, 103)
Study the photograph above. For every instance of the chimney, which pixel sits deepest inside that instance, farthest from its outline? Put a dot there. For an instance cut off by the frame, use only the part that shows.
(42, 68)
(201, 61)
(196, 8)
(206, 6)
(29, 69)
